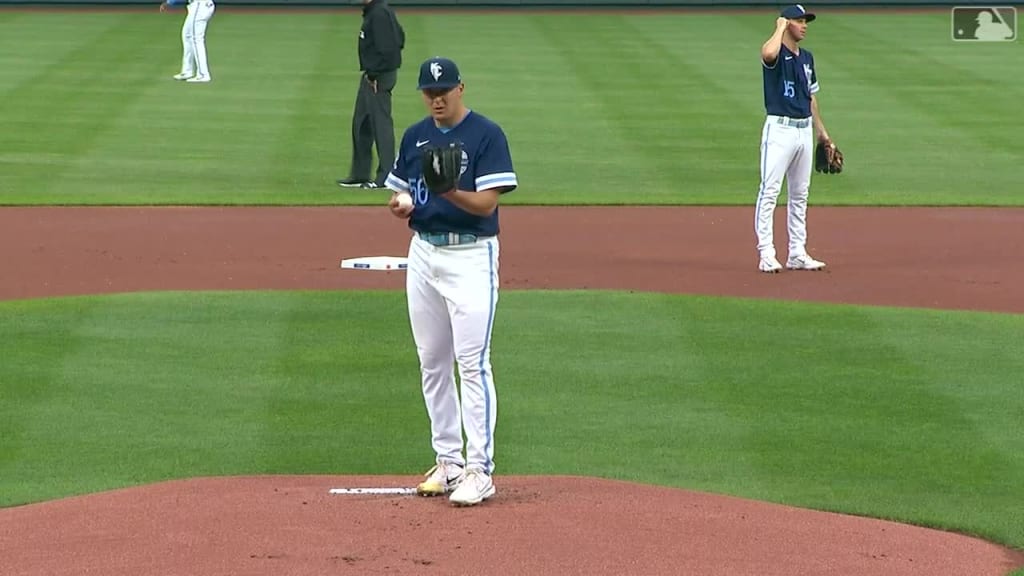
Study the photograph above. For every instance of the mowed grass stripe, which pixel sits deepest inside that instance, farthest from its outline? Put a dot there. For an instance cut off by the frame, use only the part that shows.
(599, 108)
(933, 107)
(228, 135)
(55, 119)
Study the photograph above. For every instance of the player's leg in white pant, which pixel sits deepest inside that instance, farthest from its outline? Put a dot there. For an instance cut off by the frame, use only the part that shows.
(470, 284)
(798, 179)
(204, 12)
(776, 155)
(188, 57)
(431, 330)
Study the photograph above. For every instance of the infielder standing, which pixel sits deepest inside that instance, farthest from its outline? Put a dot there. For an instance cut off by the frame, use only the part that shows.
(194, 67)
(452, 278)
(787, 141)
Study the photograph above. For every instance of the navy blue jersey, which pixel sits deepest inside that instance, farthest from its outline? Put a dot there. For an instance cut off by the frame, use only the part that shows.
(486, 164)
(789, 84)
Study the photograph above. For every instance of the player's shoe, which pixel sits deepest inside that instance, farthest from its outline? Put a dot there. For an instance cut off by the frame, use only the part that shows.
(369, 186)
(769, 264)
(475, 487)
(199, 79)
(352, 183)
(441, 479)
(182, 76)
(804, 262)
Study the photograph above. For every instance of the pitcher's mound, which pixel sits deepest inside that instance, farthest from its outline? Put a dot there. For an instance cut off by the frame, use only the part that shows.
(292, 525)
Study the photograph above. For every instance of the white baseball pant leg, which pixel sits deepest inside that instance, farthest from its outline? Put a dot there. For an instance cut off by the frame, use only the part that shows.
(203, 13)
(798, 180)
(786, 153)
(188, 58)
(452, 296)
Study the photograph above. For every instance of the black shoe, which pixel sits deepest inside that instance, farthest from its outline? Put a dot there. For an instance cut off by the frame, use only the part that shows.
(351, 183)
(369, 185)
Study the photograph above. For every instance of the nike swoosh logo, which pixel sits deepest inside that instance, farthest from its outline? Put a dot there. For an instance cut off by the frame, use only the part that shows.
(789, 57)
(418, 143)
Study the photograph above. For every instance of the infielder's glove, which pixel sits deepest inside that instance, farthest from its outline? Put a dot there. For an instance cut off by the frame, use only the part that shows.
(441, 167)
(828, 158)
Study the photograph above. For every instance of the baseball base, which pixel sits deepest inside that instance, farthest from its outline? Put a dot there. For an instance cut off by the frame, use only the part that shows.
(387, 263)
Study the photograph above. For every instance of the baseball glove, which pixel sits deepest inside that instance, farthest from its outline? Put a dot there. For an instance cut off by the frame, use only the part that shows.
(441, 167)
(828, 158)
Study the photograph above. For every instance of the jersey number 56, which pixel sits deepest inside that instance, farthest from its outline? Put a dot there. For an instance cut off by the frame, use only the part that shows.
(418, 191)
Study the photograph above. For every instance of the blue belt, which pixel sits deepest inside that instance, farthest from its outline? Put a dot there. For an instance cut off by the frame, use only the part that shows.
(448, 238)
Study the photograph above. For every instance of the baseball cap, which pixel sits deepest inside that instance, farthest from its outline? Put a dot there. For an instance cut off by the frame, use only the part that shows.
(439, 72)
(797, 11)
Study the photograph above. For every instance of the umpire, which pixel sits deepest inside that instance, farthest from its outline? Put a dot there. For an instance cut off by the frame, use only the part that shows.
(381, 40)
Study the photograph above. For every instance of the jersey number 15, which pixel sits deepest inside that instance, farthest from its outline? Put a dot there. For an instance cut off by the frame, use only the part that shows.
(788, 89)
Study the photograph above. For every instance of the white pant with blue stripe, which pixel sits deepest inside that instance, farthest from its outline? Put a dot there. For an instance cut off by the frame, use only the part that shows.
(193, 38)
(452, 294)
(786, 152)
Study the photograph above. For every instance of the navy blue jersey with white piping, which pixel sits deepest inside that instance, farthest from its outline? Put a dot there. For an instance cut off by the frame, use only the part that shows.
(789, 83)
(486, 164)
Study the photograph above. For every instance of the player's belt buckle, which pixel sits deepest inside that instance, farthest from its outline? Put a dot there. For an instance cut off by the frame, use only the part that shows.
(448, 238)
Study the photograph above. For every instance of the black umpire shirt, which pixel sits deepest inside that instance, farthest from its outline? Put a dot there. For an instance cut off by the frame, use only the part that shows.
(381, 40)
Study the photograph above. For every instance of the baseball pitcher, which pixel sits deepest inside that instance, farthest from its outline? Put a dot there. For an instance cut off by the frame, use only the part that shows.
(455, 164)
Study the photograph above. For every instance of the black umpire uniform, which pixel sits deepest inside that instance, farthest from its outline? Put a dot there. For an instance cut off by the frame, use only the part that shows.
(381, 40)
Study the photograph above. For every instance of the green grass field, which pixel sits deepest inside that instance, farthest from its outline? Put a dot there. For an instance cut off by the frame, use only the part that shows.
(620, 109)
(883, 412)
(912, 415)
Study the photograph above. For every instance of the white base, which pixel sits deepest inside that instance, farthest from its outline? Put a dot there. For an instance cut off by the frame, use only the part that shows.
(376, 263)
(373, 491)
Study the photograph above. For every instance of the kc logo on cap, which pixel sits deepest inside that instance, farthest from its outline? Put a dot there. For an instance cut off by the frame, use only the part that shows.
(439, 72)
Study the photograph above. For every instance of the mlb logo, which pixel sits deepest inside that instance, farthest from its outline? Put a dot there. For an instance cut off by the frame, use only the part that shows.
(984, 23)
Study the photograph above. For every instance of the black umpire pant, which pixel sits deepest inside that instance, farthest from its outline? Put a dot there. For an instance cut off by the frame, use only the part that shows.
(372, 124)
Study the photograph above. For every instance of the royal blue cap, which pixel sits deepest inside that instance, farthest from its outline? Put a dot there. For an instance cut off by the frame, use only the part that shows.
(439, 72)
(797, 11)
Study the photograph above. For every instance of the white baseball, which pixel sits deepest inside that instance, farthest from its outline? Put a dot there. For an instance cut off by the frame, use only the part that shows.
(404, 201)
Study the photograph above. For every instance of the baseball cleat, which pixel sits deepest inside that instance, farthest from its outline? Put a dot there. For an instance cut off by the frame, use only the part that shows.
(199, 79)
(475, 487)
(352, 183)
(441, 479)
(804, 262)
(769, 265)
(182, 76)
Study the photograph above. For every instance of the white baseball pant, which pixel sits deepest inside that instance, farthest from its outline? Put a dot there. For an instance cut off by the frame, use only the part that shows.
(452, 295)
(786, 152)
(193, 38)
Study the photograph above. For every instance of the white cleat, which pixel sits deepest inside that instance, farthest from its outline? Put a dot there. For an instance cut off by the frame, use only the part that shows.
(199, 79)
(804, 262)
(441, 479)
(476, 486)
(182, 76)
(769, 265)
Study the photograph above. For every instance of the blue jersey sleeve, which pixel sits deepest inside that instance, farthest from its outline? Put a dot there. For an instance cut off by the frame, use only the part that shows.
(398, 178)
(494, 163)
